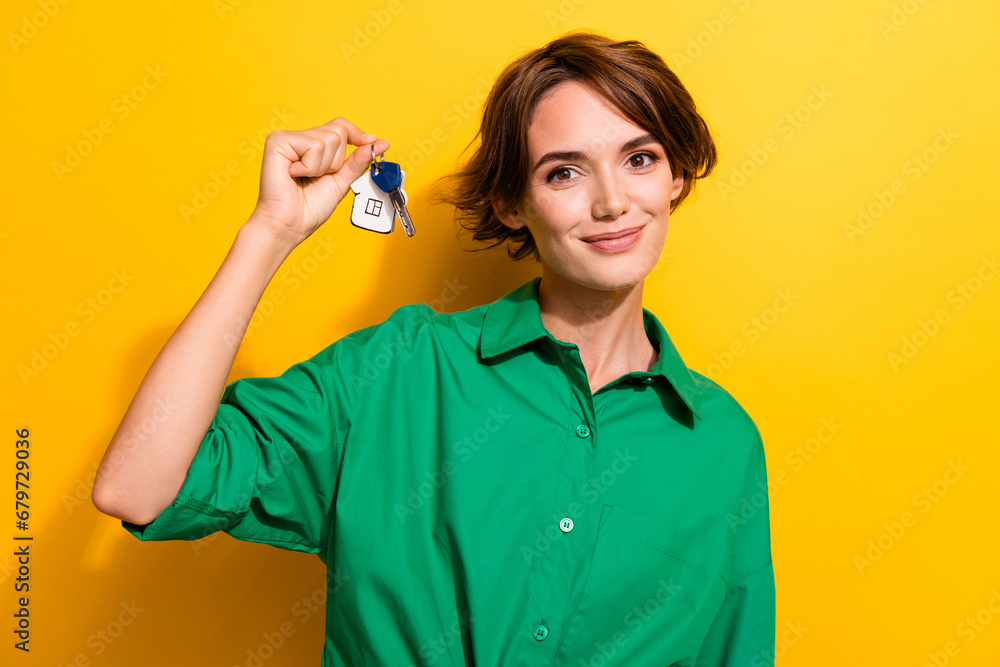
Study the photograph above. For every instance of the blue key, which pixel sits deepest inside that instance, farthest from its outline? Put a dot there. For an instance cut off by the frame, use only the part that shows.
(388, 176)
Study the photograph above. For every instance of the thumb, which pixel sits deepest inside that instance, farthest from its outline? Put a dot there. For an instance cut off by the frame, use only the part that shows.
(360, 160)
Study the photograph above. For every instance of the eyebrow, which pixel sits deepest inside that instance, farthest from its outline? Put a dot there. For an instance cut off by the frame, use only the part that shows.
(558, 156)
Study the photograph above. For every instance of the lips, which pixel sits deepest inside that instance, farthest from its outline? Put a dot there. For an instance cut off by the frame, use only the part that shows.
(614, 242)
(612, 235)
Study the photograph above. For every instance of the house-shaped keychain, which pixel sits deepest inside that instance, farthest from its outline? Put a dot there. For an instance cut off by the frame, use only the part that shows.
(372, 208)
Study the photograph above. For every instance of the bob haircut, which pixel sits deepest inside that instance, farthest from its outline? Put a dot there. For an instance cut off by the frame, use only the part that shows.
(634, 79)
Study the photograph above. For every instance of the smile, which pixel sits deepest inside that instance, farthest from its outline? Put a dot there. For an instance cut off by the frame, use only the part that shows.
(618, 244)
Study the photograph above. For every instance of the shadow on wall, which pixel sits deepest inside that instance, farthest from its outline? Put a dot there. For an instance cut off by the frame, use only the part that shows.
(218, 600)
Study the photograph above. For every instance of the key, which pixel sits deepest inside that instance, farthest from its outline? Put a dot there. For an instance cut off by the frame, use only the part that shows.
(388, 177)
(376, 209)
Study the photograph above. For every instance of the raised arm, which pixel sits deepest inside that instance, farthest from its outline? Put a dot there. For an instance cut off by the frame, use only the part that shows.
(304, 176)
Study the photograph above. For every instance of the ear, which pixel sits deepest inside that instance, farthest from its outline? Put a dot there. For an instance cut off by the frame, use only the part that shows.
(512, 220)
(678, 186)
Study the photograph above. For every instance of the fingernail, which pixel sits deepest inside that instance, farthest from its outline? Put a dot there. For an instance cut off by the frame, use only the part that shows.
(370, 137)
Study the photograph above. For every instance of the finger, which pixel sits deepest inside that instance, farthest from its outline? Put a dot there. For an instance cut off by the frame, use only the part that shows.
(339, 147)
(335, 135)
(334, 147)
(291, 148)
(309, 153)
(335, 141)
(354, 135)
(358, 162)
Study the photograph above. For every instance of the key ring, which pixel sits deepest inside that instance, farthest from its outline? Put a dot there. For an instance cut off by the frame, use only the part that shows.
(375, 162)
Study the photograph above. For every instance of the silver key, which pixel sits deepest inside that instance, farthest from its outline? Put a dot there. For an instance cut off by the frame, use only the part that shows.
(388, 176)
(396, 196)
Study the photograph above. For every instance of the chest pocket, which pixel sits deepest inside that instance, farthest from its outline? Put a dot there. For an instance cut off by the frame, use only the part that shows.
(652, 592)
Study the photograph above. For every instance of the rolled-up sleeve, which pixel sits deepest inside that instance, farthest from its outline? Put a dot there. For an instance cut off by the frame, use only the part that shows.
(742, 634)
(266, 469)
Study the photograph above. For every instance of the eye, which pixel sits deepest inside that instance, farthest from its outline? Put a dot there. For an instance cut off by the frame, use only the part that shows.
(560, 174)
(640, 160)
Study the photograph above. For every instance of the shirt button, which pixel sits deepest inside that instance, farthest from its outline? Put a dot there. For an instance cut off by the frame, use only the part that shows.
(540, 632)
(583, 430)
(566, 525)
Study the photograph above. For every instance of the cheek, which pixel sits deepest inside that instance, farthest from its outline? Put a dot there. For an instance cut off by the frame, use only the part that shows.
(551, 213)
(656, 197)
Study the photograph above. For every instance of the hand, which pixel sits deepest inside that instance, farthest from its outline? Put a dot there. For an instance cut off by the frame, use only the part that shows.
(306, 173)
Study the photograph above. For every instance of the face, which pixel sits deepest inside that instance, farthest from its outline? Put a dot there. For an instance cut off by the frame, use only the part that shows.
(594, 174)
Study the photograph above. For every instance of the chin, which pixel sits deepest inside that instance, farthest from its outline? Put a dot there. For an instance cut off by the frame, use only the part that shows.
(616, 281)
(613, 273)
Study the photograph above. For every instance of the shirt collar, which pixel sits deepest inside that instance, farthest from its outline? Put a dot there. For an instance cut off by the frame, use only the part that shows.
(516, 319)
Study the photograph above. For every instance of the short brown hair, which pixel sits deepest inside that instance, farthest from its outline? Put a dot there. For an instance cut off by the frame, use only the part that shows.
(637, 81)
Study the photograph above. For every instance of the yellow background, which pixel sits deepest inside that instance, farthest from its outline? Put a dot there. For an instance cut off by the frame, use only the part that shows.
(868, 85)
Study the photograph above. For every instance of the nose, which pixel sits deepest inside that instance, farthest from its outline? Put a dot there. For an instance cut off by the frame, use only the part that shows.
(610, 199)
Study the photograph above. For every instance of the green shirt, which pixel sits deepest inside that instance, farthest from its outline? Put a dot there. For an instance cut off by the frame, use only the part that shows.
(475, 503)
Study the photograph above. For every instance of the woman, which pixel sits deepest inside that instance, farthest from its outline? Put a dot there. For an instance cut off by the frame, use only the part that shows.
(540, 480)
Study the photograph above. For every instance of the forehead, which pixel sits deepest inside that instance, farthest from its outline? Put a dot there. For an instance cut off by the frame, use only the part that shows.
(575, 116)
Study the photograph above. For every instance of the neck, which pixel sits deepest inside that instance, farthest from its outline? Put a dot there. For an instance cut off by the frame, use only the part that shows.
(606, 325)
